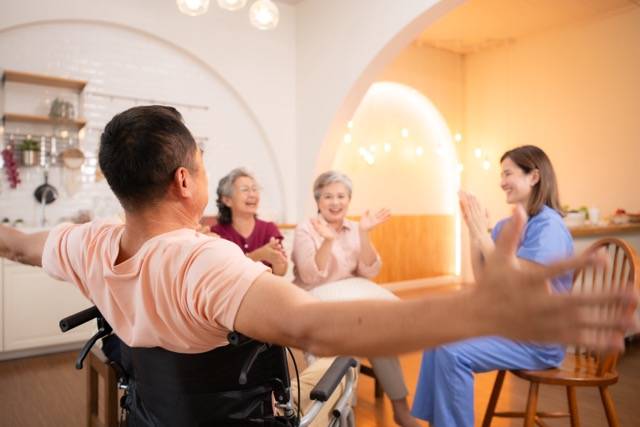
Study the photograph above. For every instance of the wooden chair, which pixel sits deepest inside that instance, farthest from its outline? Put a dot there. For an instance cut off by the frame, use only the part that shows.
(583, 368)
(377, 387)
(102, 390)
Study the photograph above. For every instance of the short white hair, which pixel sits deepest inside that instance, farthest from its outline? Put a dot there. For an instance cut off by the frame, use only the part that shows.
(328, 178)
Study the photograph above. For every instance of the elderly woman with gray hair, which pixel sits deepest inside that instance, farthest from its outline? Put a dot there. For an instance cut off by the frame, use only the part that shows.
(238, 201)
(333, 258)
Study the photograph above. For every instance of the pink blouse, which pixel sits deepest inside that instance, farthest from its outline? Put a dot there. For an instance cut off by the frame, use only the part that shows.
(343, 263)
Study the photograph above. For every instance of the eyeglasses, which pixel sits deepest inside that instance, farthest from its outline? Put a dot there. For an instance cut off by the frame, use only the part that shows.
(246, 189)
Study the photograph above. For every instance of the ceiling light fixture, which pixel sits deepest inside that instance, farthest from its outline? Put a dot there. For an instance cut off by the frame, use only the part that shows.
(264, 15)
(193, 7)
(232, 4)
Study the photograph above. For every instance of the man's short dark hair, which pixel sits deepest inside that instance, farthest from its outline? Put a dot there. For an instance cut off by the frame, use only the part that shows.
(140, 150)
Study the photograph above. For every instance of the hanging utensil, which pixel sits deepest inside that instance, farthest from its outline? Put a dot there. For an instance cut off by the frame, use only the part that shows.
(46, 193)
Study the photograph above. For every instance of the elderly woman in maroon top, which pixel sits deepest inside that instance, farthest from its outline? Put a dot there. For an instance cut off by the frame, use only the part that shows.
(238, 201)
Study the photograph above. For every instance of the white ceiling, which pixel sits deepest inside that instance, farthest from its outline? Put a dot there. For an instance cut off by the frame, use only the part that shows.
(482, 24)
(292, 2)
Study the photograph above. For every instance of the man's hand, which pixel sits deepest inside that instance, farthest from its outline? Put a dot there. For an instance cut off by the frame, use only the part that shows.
(518, 300)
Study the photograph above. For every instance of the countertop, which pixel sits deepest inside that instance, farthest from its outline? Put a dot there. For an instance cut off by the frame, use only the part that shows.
(598, 230)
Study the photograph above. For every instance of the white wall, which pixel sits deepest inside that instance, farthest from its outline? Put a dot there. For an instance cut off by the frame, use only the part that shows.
(435, 73)
(300, 82)
(118, 61)
(342, 46)
(256, 69)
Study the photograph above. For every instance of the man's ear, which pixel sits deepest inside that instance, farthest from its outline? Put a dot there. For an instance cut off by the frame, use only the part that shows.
(183, 182)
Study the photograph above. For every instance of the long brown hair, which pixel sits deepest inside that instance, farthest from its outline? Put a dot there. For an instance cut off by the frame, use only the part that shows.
(545, 192)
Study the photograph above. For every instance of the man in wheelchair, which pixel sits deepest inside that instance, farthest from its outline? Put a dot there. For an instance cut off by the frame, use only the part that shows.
(172, 295)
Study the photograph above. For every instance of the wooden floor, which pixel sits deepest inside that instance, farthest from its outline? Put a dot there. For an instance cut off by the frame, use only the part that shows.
(48, 391)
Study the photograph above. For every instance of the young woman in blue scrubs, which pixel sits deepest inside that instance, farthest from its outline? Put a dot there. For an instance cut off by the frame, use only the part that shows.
(444, 394)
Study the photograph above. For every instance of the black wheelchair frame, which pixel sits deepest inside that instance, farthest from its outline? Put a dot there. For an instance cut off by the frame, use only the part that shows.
(167, 388)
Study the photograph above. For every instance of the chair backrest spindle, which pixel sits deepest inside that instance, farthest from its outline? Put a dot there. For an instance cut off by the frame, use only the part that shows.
(618, 274)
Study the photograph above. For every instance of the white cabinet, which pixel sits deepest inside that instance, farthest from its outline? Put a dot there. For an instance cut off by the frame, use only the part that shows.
(32, 305)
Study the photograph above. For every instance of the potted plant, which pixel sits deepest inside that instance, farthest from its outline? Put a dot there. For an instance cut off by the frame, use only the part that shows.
(30, 149)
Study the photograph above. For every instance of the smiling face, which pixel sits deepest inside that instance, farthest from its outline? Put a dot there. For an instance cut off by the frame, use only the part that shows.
(333, 202)
(517, 184)
(245, 197)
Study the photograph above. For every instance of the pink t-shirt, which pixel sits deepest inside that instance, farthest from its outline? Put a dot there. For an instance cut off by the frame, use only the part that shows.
(343, 263)
(181, 291)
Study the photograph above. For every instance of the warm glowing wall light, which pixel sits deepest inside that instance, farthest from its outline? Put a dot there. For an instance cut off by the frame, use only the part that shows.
(347, 138)
(477, 152)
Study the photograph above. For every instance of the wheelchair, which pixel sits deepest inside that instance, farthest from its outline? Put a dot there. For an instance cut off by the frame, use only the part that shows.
(249, 386)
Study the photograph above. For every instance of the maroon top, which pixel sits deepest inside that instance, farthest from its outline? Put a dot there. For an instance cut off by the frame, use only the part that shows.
(262, 232)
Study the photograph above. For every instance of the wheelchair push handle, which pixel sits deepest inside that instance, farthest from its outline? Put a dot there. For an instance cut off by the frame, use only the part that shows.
(79, 318)
(330, 380)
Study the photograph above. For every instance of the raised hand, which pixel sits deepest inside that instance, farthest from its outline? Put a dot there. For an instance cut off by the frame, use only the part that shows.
(475, 216)
(205, 229)
(272, 252)
(520, 303)
(369, 221)
(276, 245)
(323, 229)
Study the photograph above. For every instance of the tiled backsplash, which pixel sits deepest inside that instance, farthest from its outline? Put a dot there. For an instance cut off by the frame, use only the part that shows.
(124, 68)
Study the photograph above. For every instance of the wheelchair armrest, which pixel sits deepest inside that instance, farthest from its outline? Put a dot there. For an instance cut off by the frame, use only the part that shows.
(330, 380)
(79, 318)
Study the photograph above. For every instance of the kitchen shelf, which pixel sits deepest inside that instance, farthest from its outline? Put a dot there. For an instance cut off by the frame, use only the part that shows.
(602, 230)
(45, 120)
(43, 80)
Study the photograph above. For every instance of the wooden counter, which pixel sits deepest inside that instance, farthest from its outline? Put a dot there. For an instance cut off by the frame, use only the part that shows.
(601, 230)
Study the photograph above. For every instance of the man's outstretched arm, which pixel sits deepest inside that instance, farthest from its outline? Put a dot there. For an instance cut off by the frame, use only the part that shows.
(22, 247)
(508, 300)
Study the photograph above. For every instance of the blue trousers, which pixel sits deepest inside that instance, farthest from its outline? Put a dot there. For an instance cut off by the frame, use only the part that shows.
(444, 395)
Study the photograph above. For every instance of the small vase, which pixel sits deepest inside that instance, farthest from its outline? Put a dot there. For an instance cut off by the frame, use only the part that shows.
(30, 157)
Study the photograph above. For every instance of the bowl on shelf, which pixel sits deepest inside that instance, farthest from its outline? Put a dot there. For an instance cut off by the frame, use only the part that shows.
(575, 219)
(634, 217)
(619, 219)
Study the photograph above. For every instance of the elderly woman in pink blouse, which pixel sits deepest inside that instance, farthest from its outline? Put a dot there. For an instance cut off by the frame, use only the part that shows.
(331, 255)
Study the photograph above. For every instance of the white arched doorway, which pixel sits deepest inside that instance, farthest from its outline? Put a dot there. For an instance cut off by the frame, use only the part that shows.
(398, 151)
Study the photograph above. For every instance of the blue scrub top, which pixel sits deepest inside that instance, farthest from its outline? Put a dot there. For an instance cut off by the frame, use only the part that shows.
(545, 239)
